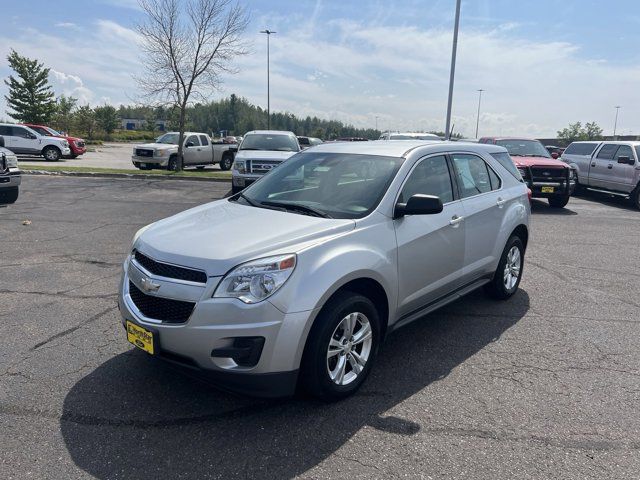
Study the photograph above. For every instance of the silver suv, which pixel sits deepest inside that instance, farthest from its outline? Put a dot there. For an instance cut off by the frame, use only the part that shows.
(378, 235)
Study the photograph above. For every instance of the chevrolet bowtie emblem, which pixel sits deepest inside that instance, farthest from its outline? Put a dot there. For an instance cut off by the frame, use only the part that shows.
(148, 285)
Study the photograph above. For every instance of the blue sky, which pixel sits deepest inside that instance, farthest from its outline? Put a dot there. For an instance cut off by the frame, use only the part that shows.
(543, 64)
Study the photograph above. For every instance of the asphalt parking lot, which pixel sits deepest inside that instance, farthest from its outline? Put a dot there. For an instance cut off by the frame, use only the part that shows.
(546, 385)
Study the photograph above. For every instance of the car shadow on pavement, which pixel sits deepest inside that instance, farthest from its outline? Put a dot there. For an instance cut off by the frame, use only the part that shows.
(134, 417)
(608, 200)
(541, 207)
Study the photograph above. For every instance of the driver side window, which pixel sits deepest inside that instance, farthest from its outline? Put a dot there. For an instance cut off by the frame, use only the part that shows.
(194, 140)
(430, 177)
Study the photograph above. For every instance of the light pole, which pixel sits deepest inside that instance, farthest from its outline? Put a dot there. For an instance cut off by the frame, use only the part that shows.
(269, 33)
(615, 124)
(447, 132)
(478, 117)
(376, 123)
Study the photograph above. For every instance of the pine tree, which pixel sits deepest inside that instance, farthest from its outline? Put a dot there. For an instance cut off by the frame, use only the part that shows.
(30, 95)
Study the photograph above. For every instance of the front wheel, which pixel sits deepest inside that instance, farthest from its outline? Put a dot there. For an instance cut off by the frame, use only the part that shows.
(226, 162)
(51, 154)
(172, 166)
(558, 202)
(635, 197)
(507, 277)
(341, 347)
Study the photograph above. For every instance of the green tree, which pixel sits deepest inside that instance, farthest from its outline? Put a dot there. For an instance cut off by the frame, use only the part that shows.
(571, 133)
(106, 118)
(63, 118)
(593, 131)
(85, 120)
(30, 98)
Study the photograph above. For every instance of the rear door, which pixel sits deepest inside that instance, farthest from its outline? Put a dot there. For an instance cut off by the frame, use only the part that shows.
(622, 174)
(192, 150)
(601, 167)
(484, 202)
(430, 247)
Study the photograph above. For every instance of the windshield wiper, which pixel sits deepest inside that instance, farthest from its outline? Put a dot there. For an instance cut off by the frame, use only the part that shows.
(296, 206)
(248, 200)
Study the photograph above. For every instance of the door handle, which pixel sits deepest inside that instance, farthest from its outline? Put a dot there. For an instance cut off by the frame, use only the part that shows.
(501, 202)
(593, 164)
(455, 220)
(610, 166)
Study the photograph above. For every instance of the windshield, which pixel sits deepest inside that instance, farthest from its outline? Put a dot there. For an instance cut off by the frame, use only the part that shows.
(265, 141)
(334, 185)
(524, 148)
(169, 138)
(46, 131)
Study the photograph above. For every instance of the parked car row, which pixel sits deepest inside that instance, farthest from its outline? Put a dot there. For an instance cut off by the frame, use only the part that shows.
(21, 139)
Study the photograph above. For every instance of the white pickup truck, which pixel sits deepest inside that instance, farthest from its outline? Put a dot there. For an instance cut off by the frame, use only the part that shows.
(198, 151)
(610, 167)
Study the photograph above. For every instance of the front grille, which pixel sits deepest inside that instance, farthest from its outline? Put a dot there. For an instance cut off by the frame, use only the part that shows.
(158, 308)
(263, 166)
(4, 166)
(169, 271)
(548, 174)
(141, 152)
(80, 144)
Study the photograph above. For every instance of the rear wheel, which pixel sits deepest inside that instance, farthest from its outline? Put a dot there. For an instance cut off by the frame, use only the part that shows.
(51, 154)
(341, 347)
(226, 162)
(507, 277)
(558, 201)
(8, 195)
(635, 197)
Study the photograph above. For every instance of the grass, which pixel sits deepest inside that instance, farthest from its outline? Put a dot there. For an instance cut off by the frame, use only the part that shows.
(123, 171)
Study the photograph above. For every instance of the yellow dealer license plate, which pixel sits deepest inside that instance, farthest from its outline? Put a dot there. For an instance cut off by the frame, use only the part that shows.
(140, 337)
(548, 189)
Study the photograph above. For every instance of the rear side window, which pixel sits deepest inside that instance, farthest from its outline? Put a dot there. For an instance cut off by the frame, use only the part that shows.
(624, 151)
(607, 151)
(204, 140)
(585, 148)
(5, 130)
(473, 175)
(507, 162)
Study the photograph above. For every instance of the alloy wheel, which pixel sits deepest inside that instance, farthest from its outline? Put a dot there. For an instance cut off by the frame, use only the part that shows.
(512, 268)
(349, 348)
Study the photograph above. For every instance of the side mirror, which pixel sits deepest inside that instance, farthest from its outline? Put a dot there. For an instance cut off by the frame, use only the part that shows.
(1, 141)
(626, 160)
(419, 204)
(189, 144)
(554, 155)
(233, 149)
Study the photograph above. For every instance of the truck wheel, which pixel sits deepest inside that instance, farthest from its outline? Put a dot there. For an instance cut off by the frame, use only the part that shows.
(558, 201)
(507, 277)
(173, 163)
(341, 347)
(226, 162)
(635, 197)
(51, 154)
(8, 195)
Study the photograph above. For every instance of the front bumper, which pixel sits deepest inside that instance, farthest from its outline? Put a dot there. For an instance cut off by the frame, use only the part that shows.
(153, 161)
(75, 150)
(13, 178)
(214, 325)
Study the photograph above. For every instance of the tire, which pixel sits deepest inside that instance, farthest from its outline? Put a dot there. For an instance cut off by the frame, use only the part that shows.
(335, 377)
(72, 156)
(558, 201)
(226, 162)
(51, 154)
(502, 287)
(173, 163)
(8, 195)
(635, 197)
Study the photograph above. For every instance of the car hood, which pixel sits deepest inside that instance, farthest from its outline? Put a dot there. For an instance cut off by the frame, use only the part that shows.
(157, 145)
(220, 235)
(537, 162)
(263, 155)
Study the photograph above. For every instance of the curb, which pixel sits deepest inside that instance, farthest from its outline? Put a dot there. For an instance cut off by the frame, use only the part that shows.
(123, 175)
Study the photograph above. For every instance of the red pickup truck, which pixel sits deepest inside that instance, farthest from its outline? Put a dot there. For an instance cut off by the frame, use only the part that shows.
(76, 144)
(545, 176)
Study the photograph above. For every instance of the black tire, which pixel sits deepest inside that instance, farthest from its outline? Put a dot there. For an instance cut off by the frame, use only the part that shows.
(51, 154)
(497, 288)
(173, 163)
(200, 167)
(226, 162)
(8, 195)
(558, 201)
(314, 373)
(635, 197)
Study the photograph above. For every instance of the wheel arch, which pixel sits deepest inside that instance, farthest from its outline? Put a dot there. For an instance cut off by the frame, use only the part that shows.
(522, 232)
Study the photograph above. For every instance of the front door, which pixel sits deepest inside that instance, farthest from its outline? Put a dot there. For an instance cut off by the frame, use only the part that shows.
(601, 168)
(192, 150)
(622, 174)
(23, 141)
(430, 247)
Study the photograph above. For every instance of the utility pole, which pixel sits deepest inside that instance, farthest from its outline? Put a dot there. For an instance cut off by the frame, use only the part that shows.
(478, 117)
(615, 125)
(454, 49)
(268, 33)
(376, 123)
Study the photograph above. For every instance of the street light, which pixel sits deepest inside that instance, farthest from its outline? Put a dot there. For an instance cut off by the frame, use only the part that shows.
(615, 125)
(269, 33)
(478, 117)
(376, 123)
(454, 49)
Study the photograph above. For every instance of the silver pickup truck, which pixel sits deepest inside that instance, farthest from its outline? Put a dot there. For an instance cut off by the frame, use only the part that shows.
(610, 167)
(198, 151)
(9, 175)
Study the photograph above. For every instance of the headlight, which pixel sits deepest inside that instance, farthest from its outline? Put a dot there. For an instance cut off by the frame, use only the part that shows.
(572, 174)
(138, 233)
(65, 143)
(161, 152)
(240, 166)
(12, 161)
(254, 281)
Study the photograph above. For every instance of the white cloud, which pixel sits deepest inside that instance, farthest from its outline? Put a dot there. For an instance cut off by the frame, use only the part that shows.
(66, 25)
